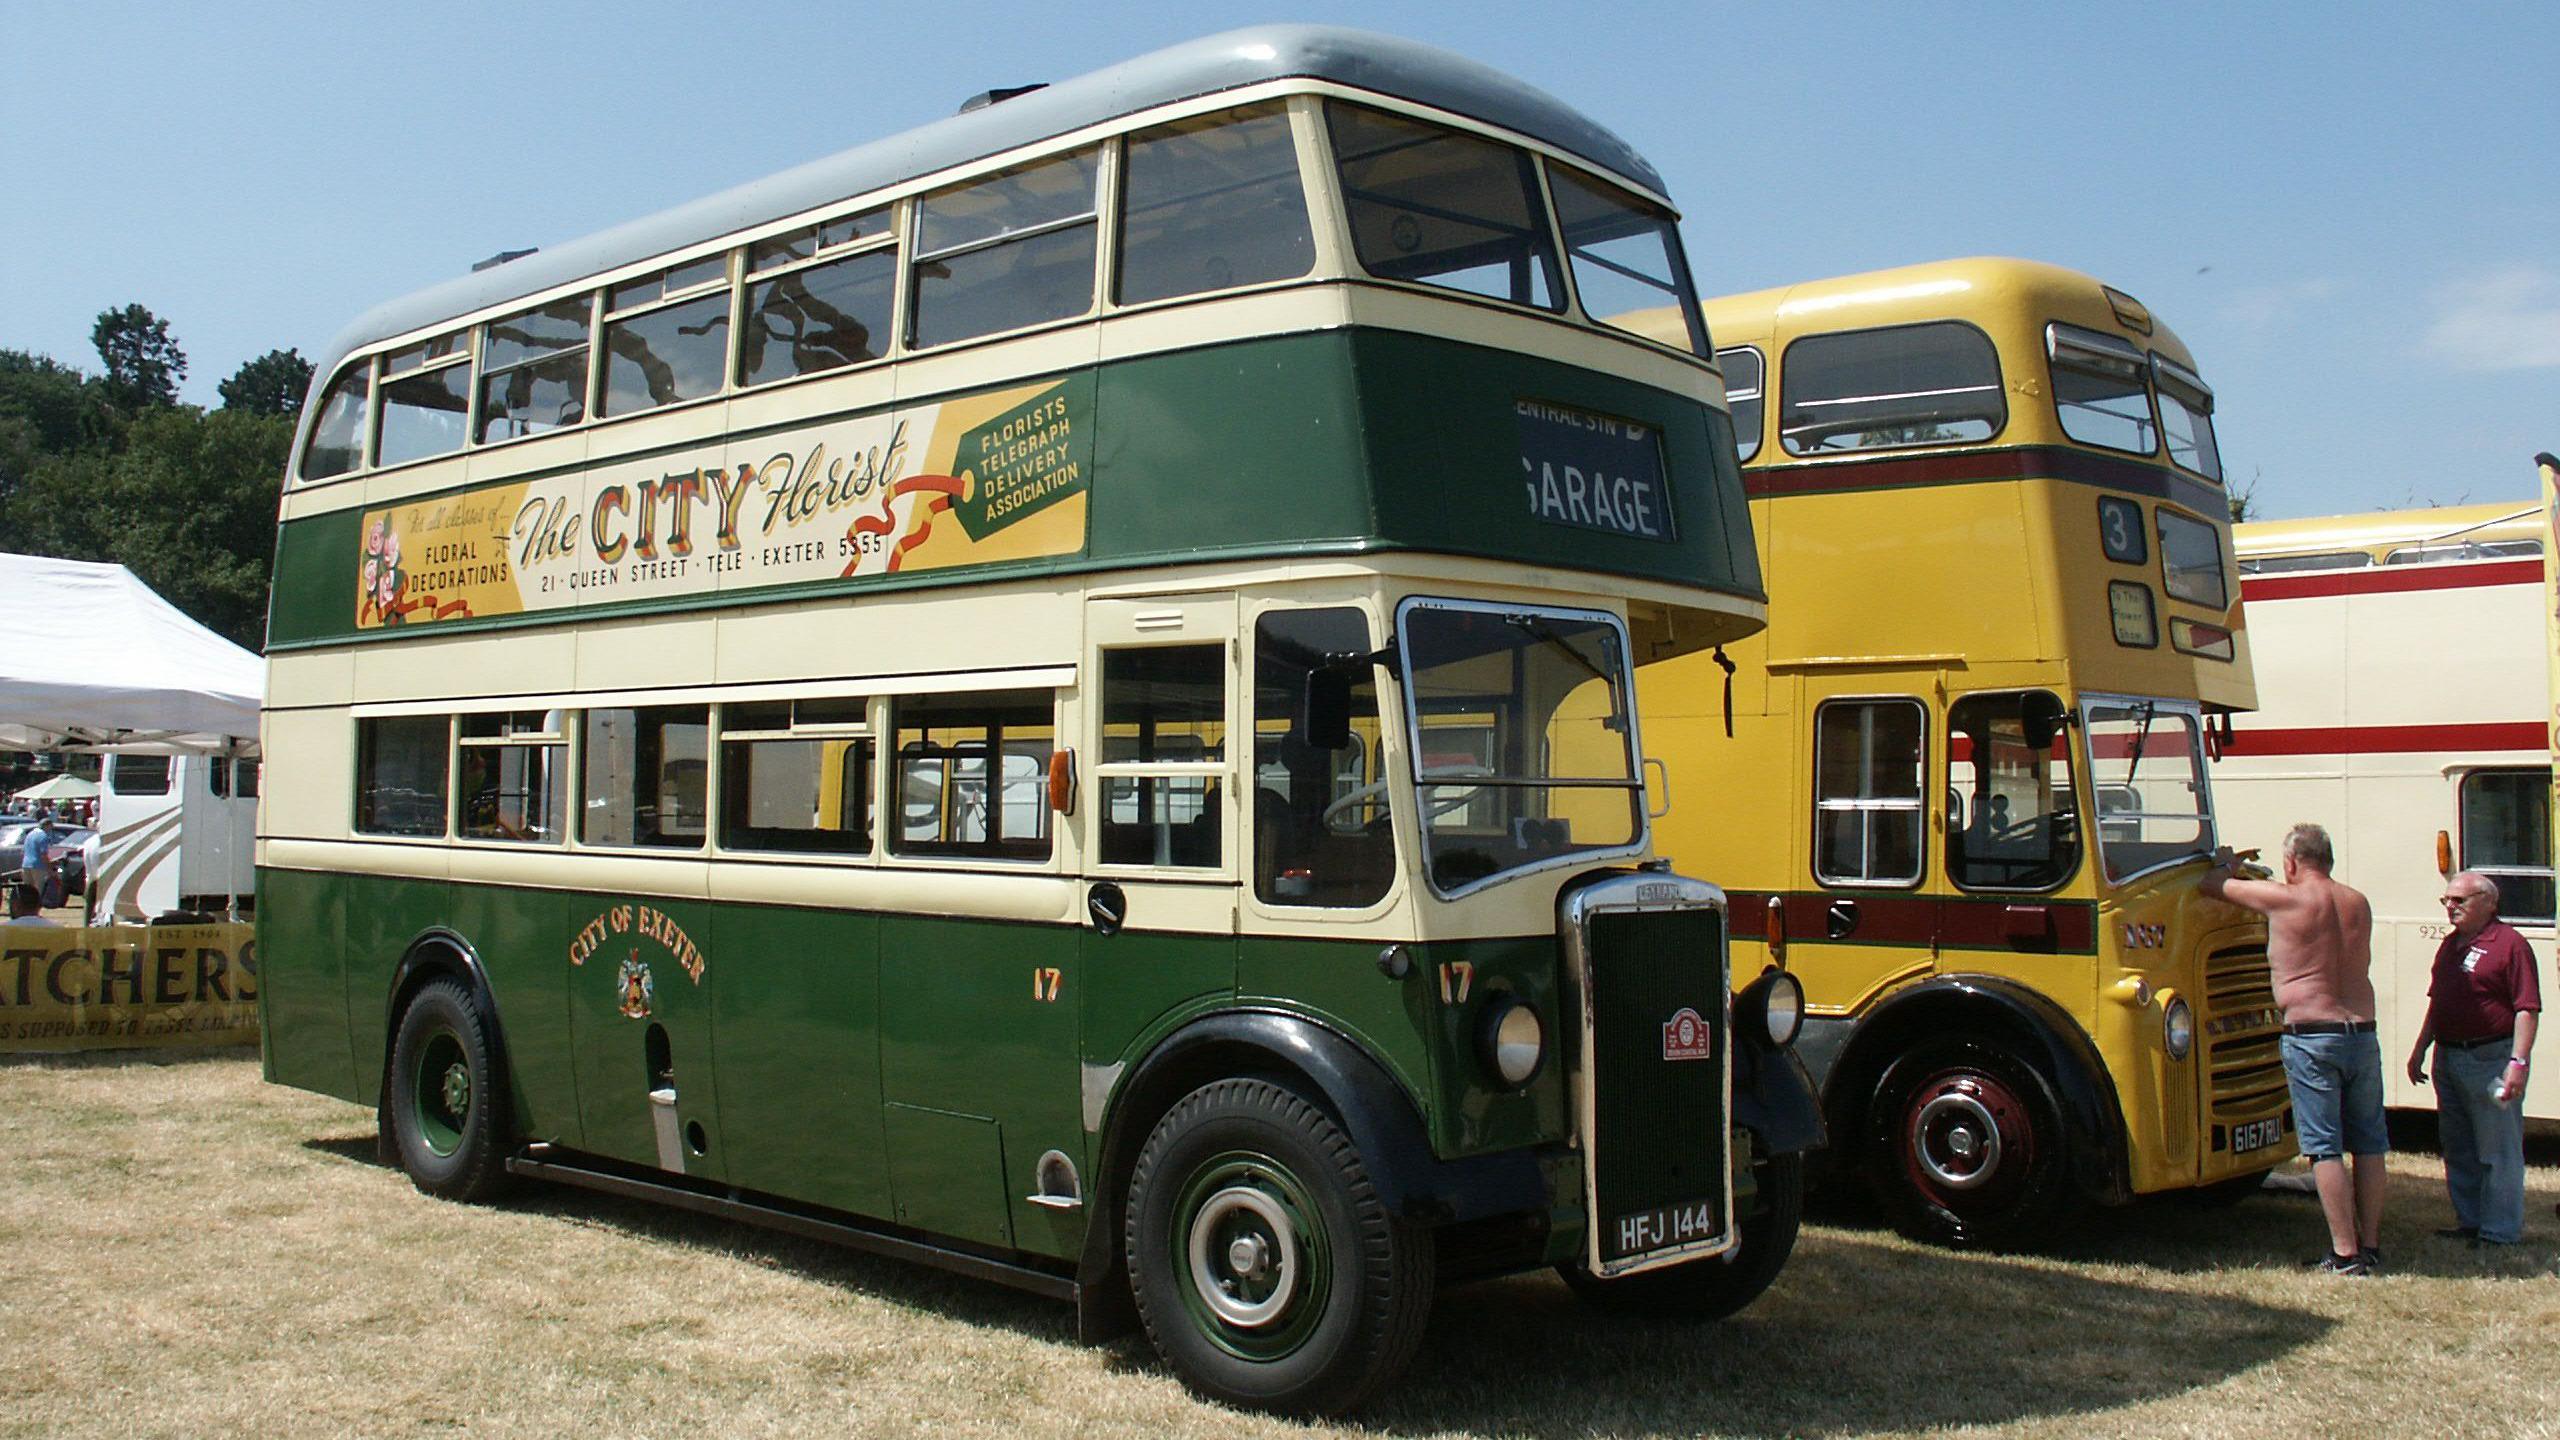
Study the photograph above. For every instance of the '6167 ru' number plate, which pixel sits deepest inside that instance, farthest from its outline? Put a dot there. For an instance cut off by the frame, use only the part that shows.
(2257, 1134)
(1663, 1228)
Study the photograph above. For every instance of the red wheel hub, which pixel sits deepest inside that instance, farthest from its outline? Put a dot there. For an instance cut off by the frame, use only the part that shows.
(1963, 1132)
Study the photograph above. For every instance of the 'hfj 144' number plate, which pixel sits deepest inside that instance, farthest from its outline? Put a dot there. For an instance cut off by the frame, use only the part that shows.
(2257, 1134)
(1663, 1228)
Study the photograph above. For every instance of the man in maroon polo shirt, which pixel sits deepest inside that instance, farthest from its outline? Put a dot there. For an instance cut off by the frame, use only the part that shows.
(2483, 1005)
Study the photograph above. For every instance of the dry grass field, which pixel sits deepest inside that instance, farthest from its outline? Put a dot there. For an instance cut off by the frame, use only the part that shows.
(185, 1251)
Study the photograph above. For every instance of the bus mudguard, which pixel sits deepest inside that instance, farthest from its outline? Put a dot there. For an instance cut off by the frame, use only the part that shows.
(437, 951)
(1774, 1098)
(2043, 1034)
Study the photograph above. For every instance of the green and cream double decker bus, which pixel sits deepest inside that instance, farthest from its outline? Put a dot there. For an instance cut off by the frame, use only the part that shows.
(1051, 696)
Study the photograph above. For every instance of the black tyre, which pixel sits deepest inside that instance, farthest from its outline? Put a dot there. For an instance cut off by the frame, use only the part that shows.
(1965, 1147)
(1265, 1268)
(1713, 1289)
(447, 1104)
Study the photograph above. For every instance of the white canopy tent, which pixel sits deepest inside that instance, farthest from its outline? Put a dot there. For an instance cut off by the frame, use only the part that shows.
(91, 658)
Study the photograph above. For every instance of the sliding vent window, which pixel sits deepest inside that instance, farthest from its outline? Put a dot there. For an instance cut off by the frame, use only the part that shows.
(336, 445)
(2186, 413)
(1012, 250)
(1935, 384)
(1430, 205)
(795, 775)
(2101, 389)
(645, 775)
(819, 298)
(972, 775)
(1211, 204)
(515, 777)
(533, 371)
(1164, 754)
(401, 768)
(1743, 371)
(666, 337)
(426, 399)
(1628, 267)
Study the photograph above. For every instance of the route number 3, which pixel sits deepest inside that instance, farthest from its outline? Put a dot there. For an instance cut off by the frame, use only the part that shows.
(2120, 530)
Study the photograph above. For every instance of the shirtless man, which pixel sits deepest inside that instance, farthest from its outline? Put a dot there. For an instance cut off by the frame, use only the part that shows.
(2320, 948)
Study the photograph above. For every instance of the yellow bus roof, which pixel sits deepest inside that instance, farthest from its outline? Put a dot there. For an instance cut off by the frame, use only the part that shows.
(2003, 295)
(2374, 530)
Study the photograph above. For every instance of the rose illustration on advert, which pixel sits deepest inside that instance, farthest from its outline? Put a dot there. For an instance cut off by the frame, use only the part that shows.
(390, 548)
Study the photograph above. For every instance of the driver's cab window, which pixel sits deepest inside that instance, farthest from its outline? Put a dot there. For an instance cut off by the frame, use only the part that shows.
(1320, 813)
(2012, 823)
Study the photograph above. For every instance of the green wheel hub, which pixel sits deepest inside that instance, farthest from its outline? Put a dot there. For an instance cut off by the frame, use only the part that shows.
(1251, 1249)
(443, 1090)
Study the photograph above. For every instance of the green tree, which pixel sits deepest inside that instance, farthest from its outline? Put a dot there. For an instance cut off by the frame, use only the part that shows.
(144, 365)
(46, 409)
(187, 502)
(272, 384)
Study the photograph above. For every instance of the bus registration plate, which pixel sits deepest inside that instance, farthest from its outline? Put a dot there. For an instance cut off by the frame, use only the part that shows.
(2257, 1134)
(1662, 1228)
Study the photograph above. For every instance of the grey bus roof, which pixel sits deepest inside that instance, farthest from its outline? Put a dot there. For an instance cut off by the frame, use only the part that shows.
(1230, 61)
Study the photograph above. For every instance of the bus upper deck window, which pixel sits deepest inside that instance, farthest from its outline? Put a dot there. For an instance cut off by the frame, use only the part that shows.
(1014, 249)
(425, 391)
(337, 436)
(1626, 256)
(1743, 373)
(2186, 414)
(1212, 203)
(1930, 384)
(533, 371)
(2101, 389)
(666, 337)
(806, 317)
(1430, 205)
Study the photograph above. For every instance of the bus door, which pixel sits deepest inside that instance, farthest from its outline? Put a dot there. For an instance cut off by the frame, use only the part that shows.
(1159, 816)
(1871, 920)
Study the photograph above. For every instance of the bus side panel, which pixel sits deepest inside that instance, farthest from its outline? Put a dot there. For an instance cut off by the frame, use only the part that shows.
(1338, 983)
(314, 595)
(795, 1001)
(383, 916)
(639, 1015)
(1279, 412)
(302, 989)
(977, 1022)
(522, 961)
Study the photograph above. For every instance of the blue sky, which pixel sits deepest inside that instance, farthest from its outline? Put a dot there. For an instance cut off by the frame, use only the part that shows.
(2350, 212)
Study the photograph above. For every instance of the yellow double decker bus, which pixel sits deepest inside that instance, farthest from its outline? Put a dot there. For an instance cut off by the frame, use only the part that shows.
(1961, 779)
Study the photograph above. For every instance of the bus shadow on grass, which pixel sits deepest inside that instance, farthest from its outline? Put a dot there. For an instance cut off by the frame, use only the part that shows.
(1859, 1334)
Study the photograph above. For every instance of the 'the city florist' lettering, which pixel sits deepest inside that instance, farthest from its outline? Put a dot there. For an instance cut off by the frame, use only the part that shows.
(653, 520)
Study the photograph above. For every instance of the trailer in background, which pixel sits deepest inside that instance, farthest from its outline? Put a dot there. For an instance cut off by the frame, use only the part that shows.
(174, 835)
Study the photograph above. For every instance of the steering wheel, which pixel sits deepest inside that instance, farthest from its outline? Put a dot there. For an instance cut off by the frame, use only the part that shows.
(1339, 819)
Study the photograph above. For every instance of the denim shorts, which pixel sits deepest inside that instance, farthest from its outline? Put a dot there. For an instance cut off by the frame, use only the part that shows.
(2337, 1094)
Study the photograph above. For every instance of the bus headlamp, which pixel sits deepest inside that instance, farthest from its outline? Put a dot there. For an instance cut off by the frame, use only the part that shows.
(1775, 1002)
(2178, 1028)
(1514, 1040)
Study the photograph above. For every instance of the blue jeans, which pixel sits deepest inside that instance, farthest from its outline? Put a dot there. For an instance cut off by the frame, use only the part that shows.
(2336, 1082)
(2483, 1142)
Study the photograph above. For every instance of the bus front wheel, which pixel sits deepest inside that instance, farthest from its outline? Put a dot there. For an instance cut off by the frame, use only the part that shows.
(1965, 1146)
(1713, 1289)
(1265, 1267)
(445, 1102)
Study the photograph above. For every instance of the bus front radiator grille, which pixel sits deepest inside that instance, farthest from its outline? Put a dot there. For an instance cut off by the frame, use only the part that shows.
(2241, 1028)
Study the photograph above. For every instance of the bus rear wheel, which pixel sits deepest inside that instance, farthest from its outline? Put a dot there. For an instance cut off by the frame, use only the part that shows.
(1266, 1269)
(1965, 1147)
(1713, 1289)
(445, 1107)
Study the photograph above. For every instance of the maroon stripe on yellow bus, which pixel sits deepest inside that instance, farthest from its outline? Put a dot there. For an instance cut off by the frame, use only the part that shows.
(1965, 922)
(2388, 739)
(2390, 579)
(2024, 462)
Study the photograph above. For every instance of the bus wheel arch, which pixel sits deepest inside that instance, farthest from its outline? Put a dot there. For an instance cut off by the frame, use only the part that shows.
(441, 972)
(1961, 1073)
